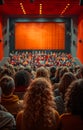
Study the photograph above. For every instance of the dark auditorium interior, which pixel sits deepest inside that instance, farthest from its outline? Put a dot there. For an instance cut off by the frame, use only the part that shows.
(44, 13)
(41, 45)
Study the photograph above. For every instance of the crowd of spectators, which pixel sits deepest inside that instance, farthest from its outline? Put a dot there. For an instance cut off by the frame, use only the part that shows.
(36, 59)
(41, 90)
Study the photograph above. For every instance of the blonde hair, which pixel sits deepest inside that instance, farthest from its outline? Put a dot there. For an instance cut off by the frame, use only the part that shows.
(42, 72)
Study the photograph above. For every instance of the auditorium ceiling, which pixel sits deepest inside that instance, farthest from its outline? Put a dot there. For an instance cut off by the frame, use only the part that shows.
(57, 8)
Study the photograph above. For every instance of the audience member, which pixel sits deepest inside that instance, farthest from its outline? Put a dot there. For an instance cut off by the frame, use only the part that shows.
(62, 87)
(81, 71)
(5, 71)
(46, 83)
(42, 72)
(57, 74)
(7, 121)
(39, 108)
(63, 71)
(10, 101)
(52, 74)
(22, 80)
(73, 119)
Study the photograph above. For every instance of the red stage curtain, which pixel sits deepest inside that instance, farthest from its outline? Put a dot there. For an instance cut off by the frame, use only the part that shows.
(40, 36)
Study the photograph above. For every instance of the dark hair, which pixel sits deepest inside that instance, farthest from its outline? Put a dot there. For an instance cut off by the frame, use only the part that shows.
(58, 69)
(74, 98)
(7, 85)
(53, 69)
(81, 71)
(22, 78)
(63, 71)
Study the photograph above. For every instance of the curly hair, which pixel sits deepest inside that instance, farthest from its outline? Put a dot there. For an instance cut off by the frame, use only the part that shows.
(65, 81)
(39, 105)
(74, 98)
(5, 71)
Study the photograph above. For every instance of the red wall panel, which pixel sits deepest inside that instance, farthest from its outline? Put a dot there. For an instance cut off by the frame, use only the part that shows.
(1, 39)
(80, 39)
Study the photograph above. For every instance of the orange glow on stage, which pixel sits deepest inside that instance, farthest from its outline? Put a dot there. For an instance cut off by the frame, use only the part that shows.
(39, 36)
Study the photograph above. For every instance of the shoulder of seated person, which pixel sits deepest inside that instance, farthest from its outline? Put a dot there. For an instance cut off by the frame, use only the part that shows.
(20, 113)
(65, 114)
(20, 102)
(3, 108)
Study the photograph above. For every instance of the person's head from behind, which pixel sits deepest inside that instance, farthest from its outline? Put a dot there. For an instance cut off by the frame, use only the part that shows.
(22, 79)
(28, 69)
(74, 98)
(52, 71)
(38, 103)
(65, 81)
(80, 71)
(42, 72)
(6, 71)
(63, 71)
(7, 85)
(11, 68)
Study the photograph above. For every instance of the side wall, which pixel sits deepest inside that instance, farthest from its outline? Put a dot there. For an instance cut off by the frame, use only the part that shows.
(80, 39)
(74, 32)
(1, 40)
